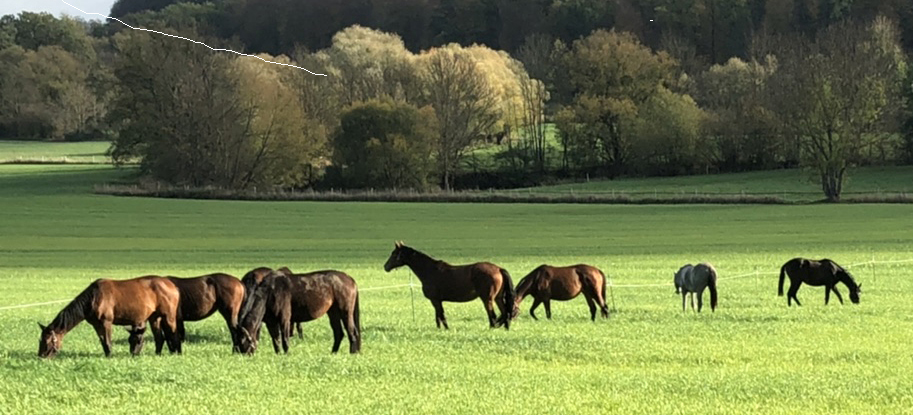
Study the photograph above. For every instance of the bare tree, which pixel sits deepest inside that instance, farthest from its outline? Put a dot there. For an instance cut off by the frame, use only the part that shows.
(464, 103)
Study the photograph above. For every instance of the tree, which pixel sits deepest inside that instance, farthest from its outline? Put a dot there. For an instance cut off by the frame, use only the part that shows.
(612, 75)
(199, 118)
(667, 136)
(34, 30)
(835, 94)
(908, 116)
(463, 101)
(385, 144)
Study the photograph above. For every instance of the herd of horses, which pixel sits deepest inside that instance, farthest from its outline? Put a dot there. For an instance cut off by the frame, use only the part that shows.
(281, 299)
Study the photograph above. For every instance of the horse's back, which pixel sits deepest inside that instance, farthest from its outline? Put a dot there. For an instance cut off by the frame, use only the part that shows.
(132, 301)
(313, 293)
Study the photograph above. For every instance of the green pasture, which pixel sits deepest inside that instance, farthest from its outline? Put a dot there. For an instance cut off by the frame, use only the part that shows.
(753, 355)
(43, 151)
(789, 184)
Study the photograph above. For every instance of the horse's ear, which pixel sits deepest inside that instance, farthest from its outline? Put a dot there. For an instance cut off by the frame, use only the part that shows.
(859, 287)
(398, 244)
(43, 327)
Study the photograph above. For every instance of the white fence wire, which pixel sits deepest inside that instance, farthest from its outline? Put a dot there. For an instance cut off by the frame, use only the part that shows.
(610, 283)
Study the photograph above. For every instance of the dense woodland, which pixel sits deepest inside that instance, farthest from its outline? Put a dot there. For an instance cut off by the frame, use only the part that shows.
(416, 90)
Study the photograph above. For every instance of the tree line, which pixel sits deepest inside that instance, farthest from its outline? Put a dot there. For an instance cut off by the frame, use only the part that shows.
(760, 85)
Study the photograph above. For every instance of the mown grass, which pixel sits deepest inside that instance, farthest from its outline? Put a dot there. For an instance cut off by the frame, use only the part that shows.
(754, 355)
(47, 152)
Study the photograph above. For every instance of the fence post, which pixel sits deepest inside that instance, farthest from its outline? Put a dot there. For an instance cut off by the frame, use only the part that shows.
(612, 294)
(872, 265)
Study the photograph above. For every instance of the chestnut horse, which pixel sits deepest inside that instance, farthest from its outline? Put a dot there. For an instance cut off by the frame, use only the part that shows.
(250, 282)
(280, 300)
(461, 283)
(202, 296)
(546, 283)
(817, 273)
(130, 302)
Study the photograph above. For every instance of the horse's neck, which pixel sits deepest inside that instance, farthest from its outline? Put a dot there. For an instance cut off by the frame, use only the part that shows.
(68, 318)
(423, 265)
(846, 280)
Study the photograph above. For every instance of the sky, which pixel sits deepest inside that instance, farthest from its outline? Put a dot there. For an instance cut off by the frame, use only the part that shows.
(56, 7)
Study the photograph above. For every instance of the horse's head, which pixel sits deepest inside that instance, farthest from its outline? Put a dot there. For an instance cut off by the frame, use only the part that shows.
(49, 345)
(678, 284)
(854, 294)
(397, 257)
(247, 343)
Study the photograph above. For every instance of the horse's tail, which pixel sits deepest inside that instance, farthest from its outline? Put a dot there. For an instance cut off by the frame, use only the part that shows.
(711, 284)
(782, 278)
(357, 316)
(508, 295)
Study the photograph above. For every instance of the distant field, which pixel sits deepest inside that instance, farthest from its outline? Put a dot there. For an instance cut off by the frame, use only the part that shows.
(754, 355)
(42, 151)
(794, 184)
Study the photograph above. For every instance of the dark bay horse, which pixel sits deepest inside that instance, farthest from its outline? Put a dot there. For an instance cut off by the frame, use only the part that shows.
(547, 283)
(817, 273)
(250, 282)
(280, 300)
(131, 302)
(202, 296)
(458, 283)
(693, 280)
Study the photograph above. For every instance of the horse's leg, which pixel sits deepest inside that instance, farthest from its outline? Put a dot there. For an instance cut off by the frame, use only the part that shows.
(837, 293)
(156, 325)
(547, 302)
(439, 317)
(592, 304)
(532, 310)
(827, 293)
(684, 299)
(172, 337)
(793, 290)
(300, 333)
(692, 300)
(136, 339)
(276, 335)
(182, 335)
(700, 300)
(103, 330)
(488, 303)
(352, 330)
(504, 309)
(336, 324)
(231, 320)
(285, 329)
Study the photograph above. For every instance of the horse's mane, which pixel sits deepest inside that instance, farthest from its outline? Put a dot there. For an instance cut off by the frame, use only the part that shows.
(254, 307)
(526, 282)
(75, 312)
(409, 251)
(249, 281)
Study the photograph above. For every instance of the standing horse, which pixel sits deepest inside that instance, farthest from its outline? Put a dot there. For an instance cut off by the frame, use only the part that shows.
(204, 295)
(250, 282)
(547, 283)
(817, 273)
(107, 302)
(280, 300)
(694, 279)
(461, 283)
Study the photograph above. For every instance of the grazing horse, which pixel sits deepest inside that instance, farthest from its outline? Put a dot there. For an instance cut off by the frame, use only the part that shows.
(204, 295)
(280, 300)
(250, 282)
(694, 279)
(461, 283)
(547, 283)
(817, 273)
(107, 302)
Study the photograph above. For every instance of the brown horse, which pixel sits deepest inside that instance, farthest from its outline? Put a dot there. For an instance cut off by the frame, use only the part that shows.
(547, 283)
(202, 296)
(280, 299)
(250, 282)
(107, 302)
(817, 273)
(461, 283)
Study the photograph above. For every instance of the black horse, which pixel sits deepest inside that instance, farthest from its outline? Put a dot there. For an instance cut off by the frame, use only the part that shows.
(817, 273)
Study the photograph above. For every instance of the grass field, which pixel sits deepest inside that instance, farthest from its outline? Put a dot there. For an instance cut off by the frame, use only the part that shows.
(754, 355)
(86, 151)
(790, 184)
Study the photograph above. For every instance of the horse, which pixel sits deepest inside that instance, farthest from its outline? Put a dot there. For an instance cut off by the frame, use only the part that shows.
(250, 282)
(461, 283)
(546, 283)
(694, 279)
(202, 296)
(280, 299)
(817, 273)
(106, 302)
